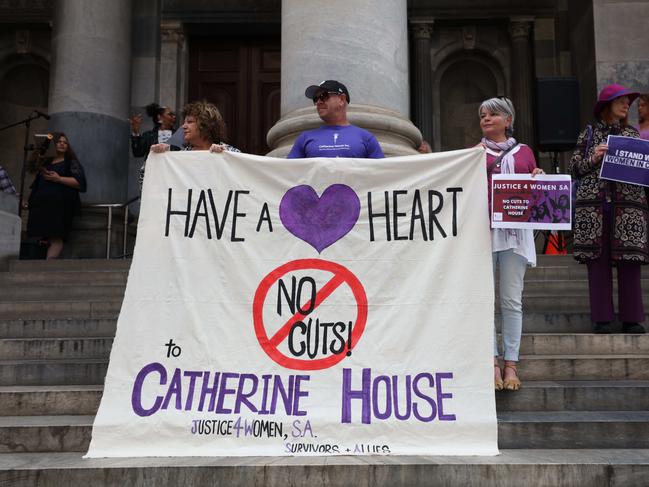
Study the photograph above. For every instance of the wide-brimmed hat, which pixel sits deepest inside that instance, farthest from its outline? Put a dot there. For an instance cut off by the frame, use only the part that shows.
(611, 92)
(330, 85)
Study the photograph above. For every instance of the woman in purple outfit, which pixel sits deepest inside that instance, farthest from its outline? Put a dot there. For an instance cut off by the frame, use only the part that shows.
(610, 226)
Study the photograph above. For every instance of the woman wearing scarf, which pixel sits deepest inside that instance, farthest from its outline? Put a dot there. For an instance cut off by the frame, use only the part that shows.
(512, 250)
(610, 225)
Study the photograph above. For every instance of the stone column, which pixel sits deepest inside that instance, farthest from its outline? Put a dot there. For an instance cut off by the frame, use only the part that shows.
(145, 72)
(422, 102)
(145, 53)
(620, 51)
(173, 66)
(522, 78)
(361, 44)
(89, 90)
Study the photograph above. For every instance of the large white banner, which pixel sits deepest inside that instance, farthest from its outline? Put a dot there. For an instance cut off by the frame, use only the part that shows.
(305, 307)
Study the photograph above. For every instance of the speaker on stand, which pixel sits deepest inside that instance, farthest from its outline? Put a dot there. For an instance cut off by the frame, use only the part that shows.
(557, 124)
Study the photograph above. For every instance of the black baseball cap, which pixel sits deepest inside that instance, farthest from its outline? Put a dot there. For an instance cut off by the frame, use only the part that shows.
(330, 85)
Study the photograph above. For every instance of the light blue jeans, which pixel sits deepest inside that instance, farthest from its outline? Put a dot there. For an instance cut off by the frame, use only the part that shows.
(512, 273)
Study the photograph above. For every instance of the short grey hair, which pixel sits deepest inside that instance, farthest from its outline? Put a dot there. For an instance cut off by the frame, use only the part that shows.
(501, 105)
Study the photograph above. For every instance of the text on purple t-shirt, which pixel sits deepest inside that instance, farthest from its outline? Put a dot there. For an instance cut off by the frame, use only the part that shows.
(336, 141)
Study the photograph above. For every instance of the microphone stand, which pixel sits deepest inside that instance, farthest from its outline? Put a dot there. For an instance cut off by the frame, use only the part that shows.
(26, 148)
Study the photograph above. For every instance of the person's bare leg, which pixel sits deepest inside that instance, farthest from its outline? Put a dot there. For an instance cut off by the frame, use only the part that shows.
(55, 248)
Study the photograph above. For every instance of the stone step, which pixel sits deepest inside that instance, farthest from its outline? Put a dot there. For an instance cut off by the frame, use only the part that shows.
(55, 348)
(532, 368)
(556, 260)
(574, 271)
(562, 322)
(111, 264)
(552, 273)
(52, 372)
(512, 468)
(583, 344)
(62, 278)
(573, 429)
(584, 367)
(555, 429)
(43, 310)
(595, 395)
(566, 269)
(81, 325)
(69, 265)
(49, 400)
(58, 328)
(559, 261)
(531, 344)
(45, 433)
(552, 303)
(49, 293)
(77, 323)
(621, 395)
(567, 287)
(557, 322)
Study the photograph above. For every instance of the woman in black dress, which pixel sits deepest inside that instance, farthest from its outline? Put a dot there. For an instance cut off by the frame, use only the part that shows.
(54, 199)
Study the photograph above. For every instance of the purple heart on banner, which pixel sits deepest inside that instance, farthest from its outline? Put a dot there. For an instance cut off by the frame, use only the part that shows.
(320, 221)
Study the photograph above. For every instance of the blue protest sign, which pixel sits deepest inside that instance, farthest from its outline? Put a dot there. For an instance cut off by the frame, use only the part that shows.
(626, 161)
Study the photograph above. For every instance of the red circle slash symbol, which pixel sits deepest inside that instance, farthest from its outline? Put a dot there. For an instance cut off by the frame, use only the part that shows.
(341, 275)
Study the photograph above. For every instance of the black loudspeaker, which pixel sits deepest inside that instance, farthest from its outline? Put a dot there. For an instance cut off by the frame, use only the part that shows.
(557, 113)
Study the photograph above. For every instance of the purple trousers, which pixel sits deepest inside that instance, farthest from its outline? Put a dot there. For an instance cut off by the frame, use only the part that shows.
(600, 283)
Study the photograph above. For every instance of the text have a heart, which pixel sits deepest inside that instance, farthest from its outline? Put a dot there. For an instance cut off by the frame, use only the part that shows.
(392, 215)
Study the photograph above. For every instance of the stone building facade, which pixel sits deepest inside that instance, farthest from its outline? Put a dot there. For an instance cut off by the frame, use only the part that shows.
(414, 68)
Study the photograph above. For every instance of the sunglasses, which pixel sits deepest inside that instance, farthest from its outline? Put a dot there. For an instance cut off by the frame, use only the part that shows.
(324, 96)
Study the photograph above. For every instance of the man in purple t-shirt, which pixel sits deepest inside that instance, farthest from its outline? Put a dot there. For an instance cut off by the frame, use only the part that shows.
(337, 137)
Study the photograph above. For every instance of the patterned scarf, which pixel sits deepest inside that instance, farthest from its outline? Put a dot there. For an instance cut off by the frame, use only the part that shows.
(507, 164)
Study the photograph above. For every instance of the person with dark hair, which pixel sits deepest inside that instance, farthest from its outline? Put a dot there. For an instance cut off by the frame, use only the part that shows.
(610, 226)
(203, 129)
(512, 250)
(164, 120)
(54, 199)
(643, 116)
(337, 137)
